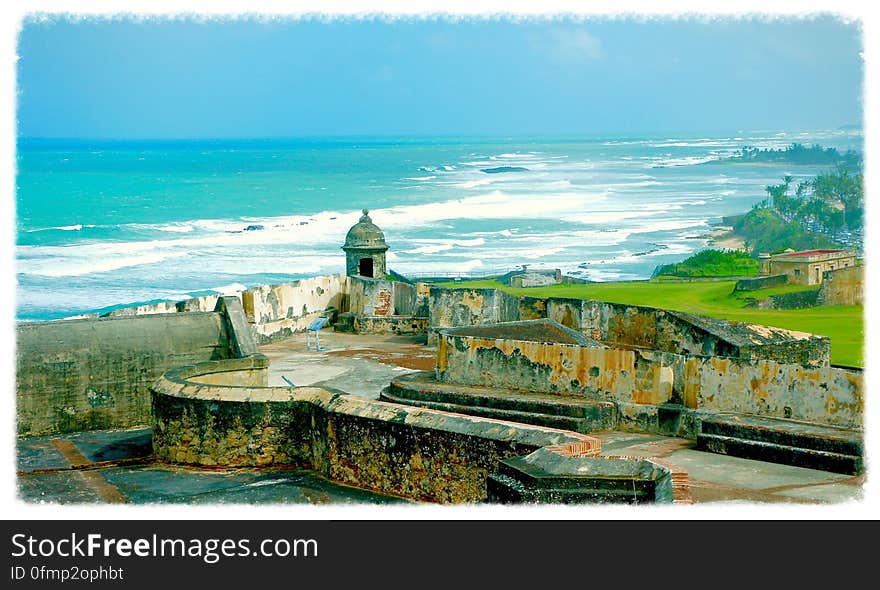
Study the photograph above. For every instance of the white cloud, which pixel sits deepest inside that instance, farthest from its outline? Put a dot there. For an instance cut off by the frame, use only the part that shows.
(572, 45)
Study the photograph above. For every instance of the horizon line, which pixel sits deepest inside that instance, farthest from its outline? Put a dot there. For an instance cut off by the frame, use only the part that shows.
(847, 127)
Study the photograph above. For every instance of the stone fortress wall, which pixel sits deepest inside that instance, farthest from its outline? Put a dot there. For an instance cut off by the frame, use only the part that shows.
(638, 381)
(692, 359)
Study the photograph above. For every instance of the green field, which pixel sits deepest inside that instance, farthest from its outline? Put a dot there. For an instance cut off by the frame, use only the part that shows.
(843, 324)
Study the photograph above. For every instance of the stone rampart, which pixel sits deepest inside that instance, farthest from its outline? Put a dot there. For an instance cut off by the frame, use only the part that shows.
(822, 395)
(421, 454)
(757, 283)
(74, 375)
(843, 287)
(278, 311)
(624, 325)
(449, 308)
(638, 378)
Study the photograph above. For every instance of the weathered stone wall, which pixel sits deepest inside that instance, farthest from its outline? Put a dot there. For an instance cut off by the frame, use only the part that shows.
(390, 325)
(843, 287)
(536, 279)
(636, 379)
(532, 308)
(607, 374)
(761, 283)
(796, 300)
(380, 297)
(415, 453)
(278, 311)
(74, 375)
(450, 308)
(823, 395)
(682, 333)
(274, 311)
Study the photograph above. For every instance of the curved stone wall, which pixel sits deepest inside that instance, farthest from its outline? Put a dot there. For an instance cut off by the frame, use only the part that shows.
(202, 418)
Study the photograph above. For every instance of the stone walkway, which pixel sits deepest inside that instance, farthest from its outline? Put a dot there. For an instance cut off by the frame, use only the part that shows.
(117, 467)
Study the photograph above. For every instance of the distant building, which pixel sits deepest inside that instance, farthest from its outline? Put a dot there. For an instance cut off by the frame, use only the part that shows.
(807, 266)
(538, 277)
(365, 249)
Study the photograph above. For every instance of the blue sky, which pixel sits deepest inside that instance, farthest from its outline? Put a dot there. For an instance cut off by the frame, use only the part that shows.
(175, 78)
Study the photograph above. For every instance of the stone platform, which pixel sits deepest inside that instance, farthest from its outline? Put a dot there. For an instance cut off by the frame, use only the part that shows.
(783, 441)
(568, 413)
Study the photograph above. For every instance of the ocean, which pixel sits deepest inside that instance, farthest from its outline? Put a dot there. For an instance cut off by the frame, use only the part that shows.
(103, 224)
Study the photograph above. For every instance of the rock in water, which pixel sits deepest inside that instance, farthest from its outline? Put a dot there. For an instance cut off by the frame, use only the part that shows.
(504, 169)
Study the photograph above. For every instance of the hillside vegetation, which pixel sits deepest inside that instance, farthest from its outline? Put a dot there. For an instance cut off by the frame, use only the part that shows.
(798, 154)
(764, 230)
(712, 263)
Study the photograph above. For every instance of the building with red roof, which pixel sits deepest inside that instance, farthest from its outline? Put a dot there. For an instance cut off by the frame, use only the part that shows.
(806, 267)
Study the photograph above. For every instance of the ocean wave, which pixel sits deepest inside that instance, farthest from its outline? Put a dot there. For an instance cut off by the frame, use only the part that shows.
(429, 249)
(542, 252)
(685, 161)
(695, 143)
(473, 183)
(75, 227)
(470, 265)
(230, 289)
(421, 178)
(74, 266)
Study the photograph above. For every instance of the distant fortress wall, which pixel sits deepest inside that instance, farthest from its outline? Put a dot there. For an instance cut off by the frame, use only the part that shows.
(278, 311)
(274, 311)
(385, 306)
(844, 286)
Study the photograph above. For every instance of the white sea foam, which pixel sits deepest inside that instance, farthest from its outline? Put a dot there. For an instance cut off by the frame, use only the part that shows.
(429, 249)
(474, 183)
(78, 266)
(695, 143)
(686, 161)
(177, 227)
(230, 289)
(471, 265)
(541, 252)
(421, 178)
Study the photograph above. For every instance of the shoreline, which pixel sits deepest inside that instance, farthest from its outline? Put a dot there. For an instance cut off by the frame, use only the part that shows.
(726, 238)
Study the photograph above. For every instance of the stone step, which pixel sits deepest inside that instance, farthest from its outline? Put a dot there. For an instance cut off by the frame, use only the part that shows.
(778, 453)
(547, 420)
(788, 433)
(421, 387)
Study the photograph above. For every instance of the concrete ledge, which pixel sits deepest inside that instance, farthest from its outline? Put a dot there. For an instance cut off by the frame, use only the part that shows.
(548, 476)
(389, 325)
(569, 413)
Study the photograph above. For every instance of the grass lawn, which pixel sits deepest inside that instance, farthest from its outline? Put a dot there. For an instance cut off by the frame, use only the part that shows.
(843, 324)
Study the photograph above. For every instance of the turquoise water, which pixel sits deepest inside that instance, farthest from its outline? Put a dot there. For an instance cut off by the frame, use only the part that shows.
(102, 224)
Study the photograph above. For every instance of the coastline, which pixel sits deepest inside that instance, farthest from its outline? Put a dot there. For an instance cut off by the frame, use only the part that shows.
(726, 238)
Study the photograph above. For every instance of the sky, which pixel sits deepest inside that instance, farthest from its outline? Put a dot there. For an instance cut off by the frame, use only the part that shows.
(173, 77)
